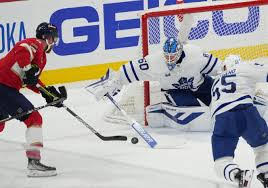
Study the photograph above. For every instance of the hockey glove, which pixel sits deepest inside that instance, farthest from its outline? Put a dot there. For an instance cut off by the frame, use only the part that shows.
(53, 94)
(31, 76)
(110, 83)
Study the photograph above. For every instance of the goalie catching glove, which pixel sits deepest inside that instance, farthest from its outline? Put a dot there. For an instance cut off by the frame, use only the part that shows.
(110, 83)
(51, 94)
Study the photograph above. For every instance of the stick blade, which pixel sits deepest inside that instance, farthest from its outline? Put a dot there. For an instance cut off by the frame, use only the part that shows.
(143, 133)
(111, 138)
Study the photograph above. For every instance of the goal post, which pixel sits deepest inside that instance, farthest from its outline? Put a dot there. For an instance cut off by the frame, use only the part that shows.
(220, 27)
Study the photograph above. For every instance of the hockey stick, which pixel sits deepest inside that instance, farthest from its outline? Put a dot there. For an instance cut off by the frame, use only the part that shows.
(134, 124)
(104, 138)
(30, 111)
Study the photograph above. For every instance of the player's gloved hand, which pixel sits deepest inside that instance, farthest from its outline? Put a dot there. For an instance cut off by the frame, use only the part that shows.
(110, 83)
(54, 95)
(31, 76)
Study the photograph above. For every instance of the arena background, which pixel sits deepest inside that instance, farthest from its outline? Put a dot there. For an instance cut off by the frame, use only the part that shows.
(96, 35)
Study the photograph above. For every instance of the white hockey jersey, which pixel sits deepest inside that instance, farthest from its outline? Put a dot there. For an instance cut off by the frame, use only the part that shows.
(236, 86)
(187, 75)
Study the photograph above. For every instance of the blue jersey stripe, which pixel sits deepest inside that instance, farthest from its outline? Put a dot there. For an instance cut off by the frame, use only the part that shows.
(133, 70)
(125, 71)
(262, 164)
(258, 103)
(206, 64)
(215, 62)
(225, 104)
(214, 84)
(225, 170)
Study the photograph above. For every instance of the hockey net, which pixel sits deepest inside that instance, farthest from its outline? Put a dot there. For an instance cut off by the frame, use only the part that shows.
(219, 27)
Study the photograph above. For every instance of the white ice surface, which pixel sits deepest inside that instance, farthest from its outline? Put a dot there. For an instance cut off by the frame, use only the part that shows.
(85, 161)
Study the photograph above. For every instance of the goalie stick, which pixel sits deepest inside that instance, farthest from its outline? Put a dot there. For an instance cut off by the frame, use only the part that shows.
(104, 138)
(135, 125)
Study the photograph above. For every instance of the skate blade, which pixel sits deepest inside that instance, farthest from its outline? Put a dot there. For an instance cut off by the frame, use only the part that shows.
(38, 174)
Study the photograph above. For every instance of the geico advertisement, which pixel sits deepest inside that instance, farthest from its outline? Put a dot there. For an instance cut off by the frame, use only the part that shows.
(97, 32)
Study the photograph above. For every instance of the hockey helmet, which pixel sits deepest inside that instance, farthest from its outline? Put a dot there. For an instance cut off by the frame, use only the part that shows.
(47, 31)
(172, 51)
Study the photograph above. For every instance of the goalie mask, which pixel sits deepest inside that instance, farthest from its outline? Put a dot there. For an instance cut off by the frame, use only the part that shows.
(49, 33)
(172, 52)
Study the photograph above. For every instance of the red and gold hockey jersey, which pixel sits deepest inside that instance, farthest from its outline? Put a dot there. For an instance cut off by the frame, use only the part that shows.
(13, 66)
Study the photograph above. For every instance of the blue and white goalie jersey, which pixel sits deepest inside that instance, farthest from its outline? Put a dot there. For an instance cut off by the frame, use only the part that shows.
(189, 74)
(237, 86)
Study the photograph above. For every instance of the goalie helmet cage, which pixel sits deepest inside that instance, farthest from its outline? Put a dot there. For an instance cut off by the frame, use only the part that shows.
(202, 24)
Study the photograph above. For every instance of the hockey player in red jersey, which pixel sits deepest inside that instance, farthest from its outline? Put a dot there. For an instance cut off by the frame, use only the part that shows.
(21, 67)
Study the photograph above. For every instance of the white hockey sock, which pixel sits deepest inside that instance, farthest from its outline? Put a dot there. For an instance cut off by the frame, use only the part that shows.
(34, 141)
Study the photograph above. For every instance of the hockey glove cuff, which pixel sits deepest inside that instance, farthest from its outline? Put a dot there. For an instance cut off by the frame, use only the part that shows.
(53, 95)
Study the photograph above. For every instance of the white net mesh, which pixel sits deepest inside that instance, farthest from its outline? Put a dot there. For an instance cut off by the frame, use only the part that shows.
(214, 31)
(131, 99)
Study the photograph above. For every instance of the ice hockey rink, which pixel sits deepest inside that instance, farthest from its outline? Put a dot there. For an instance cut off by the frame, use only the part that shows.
(85, 161)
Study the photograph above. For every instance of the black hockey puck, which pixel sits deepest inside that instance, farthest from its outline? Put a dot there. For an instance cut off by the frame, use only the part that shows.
(134, 140)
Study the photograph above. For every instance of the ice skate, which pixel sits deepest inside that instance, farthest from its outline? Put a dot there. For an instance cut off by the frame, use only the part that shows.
(244, 178)
(263, 178)
(37, 169)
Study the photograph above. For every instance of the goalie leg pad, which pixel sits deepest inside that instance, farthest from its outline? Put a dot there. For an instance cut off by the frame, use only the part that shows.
(183, 118)
(155, 115)
(34, 119)
(226, 168)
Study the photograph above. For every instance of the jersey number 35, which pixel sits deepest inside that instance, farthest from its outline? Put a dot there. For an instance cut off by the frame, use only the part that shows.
(228, 87)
